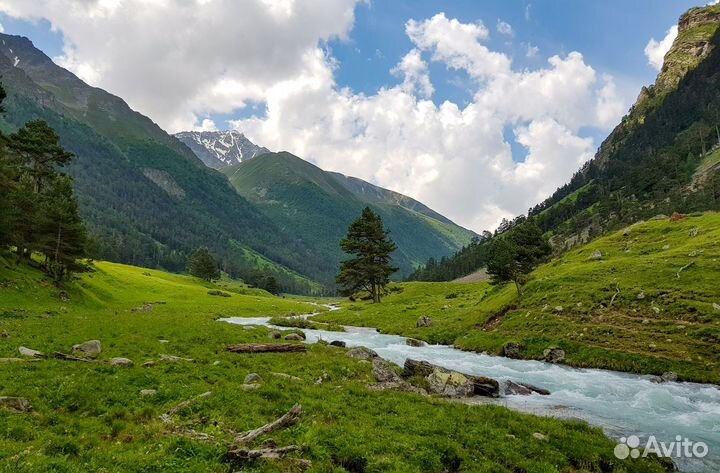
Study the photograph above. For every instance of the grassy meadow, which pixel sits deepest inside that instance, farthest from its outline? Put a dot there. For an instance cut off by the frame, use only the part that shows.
(650, 304)
(91, 416)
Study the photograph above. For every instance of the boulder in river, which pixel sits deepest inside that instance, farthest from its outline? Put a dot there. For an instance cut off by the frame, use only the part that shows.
(413, 342)
(362, 353)
(669, 377)
(90, 348)
(458, 384)
(554, 355)
(337, 343)
(424, 321)
(511, 388)
(450, 383)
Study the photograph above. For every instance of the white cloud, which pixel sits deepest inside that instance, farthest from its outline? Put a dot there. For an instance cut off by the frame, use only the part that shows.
(504, 28)
(180, 61)
(655, 50)
(532, 51)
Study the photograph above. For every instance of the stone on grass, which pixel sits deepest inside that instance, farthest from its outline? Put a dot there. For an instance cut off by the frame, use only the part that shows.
(252, 378)
(249, 387)
(554, 355)
(716, 306)
(29, 352)
(338, 343)
(148, 392)
(596, 255)
(424, 321)
(175, 359)
(17, 404)
(122, 362)
(90, 348)
(296, 337)
(275, 335)
(385, 372)
(540, 436)
(362, 353)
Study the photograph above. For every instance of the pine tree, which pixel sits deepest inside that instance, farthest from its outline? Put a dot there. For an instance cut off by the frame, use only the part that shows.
(370, 267)
(203, 266)
(62, 233)
(37, 146)
(514, 255)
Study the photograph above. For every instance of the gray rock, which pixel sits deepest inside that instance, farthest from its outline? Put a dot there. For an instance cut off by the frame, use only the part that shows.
(716, 306)
(669, 377)
(249, 387)
(554, 355)
(483, 386)
(459, 384)
(450, 383)
(252, 378)
(413, 342)
(385, 372)
(694, 232)
(596, 255)
(362, 353)
(541, 437)
(174, 359)
(424, 321)
(18, 404)
(338, 343)
(91, 348)
(559, 309)
(641, 296)
(522, 389)
(123, 362)
(512, 350)
(4, 334)
(148, 392)
(627, 232)
(30, 353)
(64, 297)
(275, 335)
(666, 247)
(294, 337)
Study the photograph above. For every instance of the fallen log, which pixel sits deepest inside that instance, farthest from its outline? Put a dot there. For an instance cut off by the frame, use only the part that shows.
(286, 420)
(267, 348)
(66, 357)
(243, 454)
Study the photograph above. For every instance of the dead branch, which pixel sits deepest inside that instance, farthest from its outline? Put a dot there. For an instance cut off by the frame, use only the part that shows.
(267, 348)
(66, 357)
(684, 268)
(243, 454)
(617, 291)
(167, 417)
(286, 420)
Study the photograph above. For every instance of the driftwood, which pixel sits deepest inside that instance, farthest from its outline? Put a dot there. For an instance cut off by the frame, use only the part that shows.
(66, 357)
(684, 268)
(617, 291)
(243, 454)
(267, 348)
(167, 417)
(286, 420)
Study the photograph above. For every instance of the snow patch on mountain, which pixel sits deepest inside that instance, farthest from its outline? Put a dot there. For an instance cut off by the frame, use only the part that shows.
(219, 149)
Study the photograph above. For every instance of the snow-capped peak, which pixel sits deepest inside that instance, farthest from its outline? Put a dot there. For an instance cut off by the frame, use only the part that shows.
(218, 149)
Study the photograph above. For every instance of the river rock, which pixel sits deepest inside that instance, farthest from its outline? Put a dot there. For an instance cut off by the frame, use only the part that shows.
(596, 255)
(384, 371)
(252, 378)
(417, 368)
(338, 343)
(512, 350)
(554, 355)
(461, 384)
(449, 383)
(413, 342)
(669, 377)
(297, 337)
(362, 353)
(123, 362)
(424, 321)
(91, 348)
(18, 404)
(486, 387)
(522, 389)
(30, 353)
(275, 335)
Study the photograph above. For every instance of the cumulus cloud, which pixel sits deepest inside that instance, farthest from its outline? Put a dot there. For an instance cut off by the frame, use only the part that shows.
(504, 28)
(655, 50)
(180, 61)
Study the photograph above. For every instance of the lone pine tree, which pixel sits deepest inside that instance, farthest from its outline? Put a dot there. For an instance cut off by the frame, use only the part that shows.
(371, 266)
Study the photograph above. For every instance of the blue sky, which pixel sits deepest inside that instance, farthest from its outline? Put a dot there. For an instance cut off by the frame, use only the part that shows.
(468, 122)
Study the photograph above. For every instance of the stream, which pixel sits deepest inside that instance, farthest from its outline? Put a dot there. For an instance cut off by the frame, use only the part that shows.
(621, 404)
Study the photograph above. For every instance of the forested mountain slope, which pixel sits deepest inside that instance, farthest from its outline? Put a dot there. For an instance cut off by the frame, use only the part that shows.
(662, 157)
(317, 206)
(145, 196)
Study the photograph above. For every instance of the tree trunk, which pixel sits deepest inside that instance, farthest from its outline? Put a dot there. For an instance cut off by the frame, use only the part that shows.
(56, 265)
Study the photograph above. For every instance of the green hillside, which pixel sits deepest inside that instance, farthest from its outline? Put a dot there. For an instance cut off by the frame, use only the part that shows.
(317, 207)
(146, 198)
(93, 417)
(649, 304)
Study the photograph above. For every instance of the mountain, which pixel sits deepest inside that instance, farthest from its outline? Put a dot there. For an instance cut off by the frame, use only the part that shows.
(218, 149)
(145, 196)
(317, 206)
(662, 158)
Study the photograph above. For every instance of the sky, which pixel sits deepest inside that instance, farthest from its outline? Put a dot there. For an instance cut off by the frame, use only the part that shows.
(479, 109)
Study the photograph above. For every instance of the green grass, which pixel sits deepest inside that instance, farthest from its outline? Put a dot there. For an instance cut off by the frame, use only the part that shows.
(657, 322)
(90, 416)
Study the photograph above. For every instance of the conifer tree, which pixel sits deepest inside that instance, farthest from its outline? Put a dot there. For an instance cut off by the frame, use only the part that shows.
(203, 266)
(370, 267)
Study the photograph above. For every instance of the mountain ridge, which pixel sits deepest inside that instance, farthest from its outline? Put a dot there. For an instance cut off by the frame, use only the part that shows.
(218, 149)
